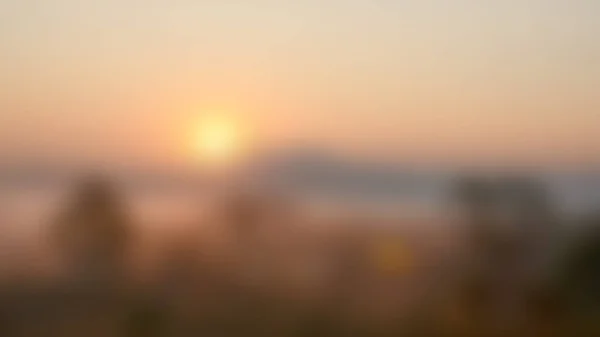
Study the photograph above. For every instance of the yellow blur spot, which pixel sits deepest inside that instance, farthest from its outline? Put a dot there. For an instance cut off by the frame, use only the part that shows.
(218, 139)
(392, 256)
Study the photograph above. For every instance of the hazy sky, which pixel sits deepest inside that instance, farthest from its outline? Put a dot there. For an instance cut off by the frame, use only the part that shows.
(415, 80)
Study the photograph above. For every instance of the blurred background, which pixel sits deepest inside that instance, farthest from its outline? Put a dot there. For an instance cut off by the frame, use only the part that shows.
(308, 168)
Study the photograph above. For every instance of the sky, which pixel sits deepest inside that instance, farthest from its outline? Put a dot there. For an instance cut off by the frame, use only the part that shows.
(464, 81)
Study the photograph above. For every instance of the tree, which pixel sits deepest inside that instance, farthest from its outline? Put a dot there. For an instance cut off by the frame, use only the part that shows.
(93, 232)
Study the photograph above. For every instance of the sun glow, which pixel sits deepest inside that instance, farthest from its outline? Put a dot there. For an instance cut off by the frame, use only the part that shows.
(219, 139)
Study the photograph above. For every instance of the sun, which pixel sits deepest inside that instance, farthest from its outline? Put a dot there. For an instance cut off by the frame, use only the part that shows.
(218, 138)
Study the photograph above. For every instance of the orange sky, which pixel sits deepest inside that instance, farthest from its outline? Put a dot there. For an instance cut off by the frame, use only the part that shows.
(511, 81)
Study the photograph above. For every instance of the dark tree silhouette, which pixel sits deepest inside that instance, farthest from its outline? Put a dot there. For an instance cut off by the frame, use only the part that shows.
(580, 275)
(476, 201)
(510, 227)
(93, 232)
(530, 203)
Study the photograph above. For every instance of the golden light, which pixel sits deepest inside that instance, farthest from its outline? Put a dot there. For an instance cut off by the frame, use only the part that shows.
(392, 256)
(219, 138)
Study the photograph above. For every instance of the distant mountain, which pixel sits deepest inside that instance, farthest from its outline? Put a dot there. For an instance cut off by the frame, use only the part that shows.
(312, 170)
